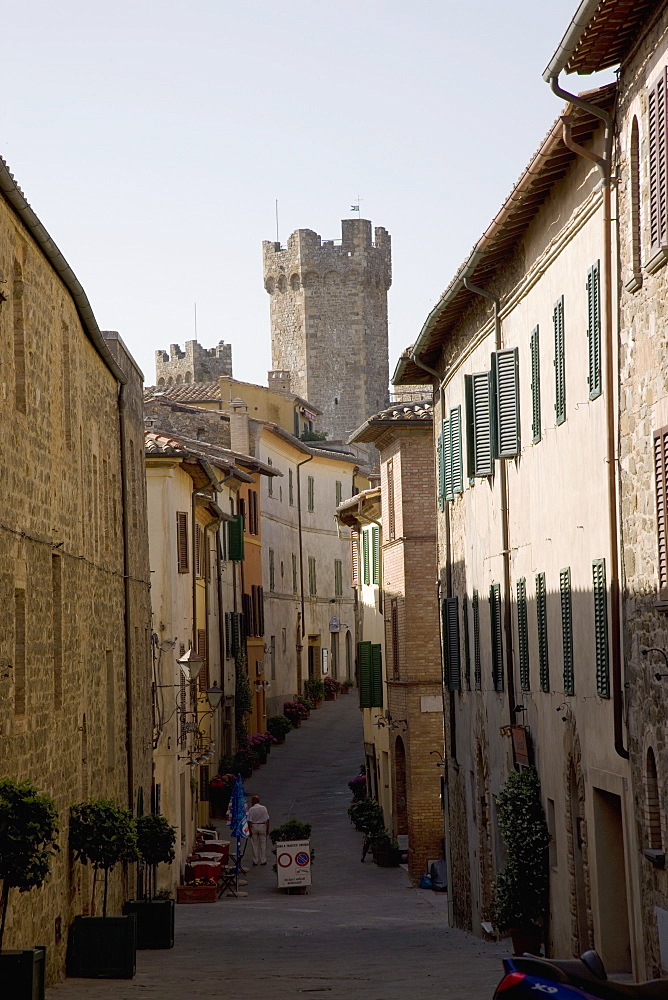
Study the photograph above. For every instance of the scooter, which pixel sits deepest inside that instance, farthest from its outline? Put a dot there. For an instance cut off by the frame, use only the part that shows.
(570, 979)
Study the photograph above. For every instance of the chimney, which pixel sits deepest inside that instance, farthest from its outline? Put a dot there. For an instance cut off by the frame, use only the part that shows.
(239, 432)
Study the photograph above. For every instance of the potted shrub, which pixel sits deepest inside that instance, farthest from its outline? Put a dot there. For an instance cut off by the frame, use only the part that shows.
(367, 817)
(332, 688)
(220, 792)
(346, 686)
(307, 705)
(28, 831)
(155, 916)
(279, 727)
(520, 888)
(358, 787)
(385, 850)
(314, 690)
(103, 834)
(295, 712)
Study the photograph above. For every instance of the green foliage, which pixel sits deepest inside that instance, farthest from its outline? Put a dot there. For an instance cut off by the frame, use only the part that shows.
(243, 699)
(367, 817)
(279, 726)
(313, 436)
(292, 830)
(226, 764)
(520, 888)
(28, 831)
(155, 839)
(102, 833)
(314, 689)
(382, 841)
(308, 705)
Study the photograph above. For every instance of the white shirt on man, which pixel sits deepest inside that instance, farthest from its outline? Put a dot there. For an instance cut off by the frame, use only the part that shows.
(258, 814)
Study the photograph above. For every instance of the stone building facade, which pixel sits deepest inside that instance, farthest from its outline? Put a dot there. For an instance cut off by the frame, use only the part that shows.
(75, 668)
(328, 308)
(528, 564)
(636, 39)
(403, 436)
(195, 364)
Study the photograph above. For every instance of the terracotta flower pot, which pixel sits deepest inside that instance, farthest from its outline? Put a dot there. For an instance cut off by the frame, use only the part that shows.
(196, 893)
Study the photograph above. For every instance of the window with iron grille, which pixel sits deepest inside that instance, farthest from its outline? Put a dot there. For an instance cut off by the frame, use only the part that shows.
(661, 487)
(601, 628)
(541, 618)
(496, 627)
(182, 541)
(523, 634)
(450, 633)
(477, 666)
(567, 629)
(559, 361)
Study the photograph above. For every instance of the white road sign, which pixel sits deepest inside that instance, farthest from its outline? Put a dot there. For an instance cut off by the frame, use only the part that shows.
(293, 863)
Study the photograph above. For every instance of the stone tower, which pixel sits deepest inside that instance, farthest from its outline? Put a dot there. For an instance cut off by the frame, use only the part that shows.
(195, 364)
(329, 320)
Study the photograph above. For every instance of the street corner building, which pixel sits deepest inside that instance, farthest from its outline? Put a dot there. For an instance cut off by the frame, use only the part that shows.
(74, 575)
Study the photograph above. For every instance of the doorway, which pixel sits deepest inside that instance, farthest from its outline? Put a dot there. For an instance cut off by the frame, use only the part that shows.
(314, 656)
(400, 800)
(615, 939)
(575, 806)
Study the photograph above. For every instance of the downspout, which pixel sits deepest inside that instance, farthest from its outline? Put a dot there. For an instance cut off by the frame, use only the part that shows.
(125, 506)
(604, 164)
(505, 522)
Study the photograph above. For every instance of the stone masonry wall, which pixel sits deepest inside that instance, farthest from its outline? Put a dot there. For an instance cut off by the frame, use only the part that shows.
(328, 307)
(193, 422)
(63, 721)
(643, 401)
(195, 364)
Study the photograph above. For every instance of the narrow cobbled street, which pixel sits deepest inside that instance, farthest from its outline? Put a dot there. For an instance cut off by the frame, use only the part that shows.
(362, 932)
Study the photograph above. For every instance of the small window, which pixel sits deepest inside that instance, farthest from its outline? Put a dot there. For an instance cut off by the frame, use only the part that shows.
(477, 665)
(291, 488)
(601, 628)
(312, 578)
(505, 372)
(523, 634)
(535, 386)
(496, 626)
(272, 571)
(559, 361)
(391, 518)
(338, 578)
(450, 631)
(480, 458)
(594, 329)
(354, 557)
(541, 618)
(661, 487)
(567, 629)
(182, 540)
(311, 493)
(375, 538)
(366, 562)
(338, 493)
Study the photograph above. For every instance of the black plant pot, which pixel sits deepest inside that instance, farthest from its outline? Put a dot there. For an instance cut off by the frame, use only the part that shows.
(103, 947)
(155, 922)
(22, 973)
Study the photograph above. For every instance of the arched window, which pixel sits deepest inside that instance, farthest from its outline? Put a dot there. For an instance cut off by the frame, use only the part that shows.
(652, 806)
(161, 381)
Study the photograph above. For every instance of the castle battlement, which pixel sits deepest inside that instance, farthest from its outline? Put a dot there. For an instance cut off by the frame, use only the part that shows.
(194, 364)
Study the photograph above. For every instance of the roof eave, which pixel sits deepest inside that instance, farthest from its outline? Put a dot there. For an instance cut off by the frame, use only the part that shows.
(571, 39)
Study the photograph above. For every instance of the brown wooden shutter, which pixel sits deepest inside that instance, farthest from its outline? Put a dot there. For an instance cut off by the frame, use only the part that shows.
(355, 557)
(661, 479)
(203, 675)
(658, 181)
(182, 540)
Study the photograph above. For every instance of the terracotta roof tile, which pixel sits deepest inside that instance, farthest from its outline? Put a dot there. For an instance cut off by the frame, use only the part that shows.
(195, 391)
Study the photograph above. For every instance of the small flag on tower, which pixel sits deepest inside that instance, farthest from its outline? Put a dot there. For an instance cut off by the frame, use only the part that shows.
(354, 208)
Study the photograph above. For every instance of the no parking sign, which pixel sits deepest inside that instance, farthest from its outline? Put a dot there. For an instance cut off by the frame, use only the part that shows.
(293, 863)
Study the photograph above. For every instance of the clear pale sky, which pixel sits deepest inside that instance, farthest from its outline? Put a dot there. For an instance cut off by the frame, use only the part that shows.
(152, 140)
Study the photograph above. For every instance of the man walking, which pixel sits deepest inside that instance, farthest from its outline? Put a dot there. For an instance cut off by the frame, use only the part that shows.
(258, 821)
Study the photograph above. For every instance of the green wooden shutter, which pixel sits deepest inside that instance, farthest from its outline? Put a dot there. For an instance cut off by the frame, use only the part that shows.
(338, 578)
(475, 605)
(601, 628)
(272, 570)
(505, 373)
(535, 386)
(365, 556)
(467, 643)
(235, 538)
(483, 456)
(376, 676)
(338, 492)
(447, 462)
(559, 361)
(441, 472)
(594, 328)
(364, 665)
(468, 413)
(291, 488)
(496, 627)
(456, 465)
(450, 631)
(375, 539)
(541, 617)
(523, 634)
(567, 629)
(311, 493)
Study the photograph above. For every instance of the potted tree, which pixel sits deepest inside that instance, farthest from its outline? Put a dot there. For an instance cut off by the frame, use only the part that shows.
(155, 915)
(385, 850)
(28, 831)
(314, 690)
(332, 688)
(520, 888)
(102, 947)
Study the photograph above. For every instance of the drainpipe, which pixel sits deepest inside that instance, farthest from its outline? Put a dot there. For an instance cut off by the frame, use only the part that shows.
(505, 525)
(605, 166)
(125, 508)
(301, 548)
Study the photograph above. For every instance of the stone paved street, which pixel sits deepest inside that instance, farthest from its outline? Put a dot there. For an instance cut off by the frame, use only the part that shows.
(362, 933)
